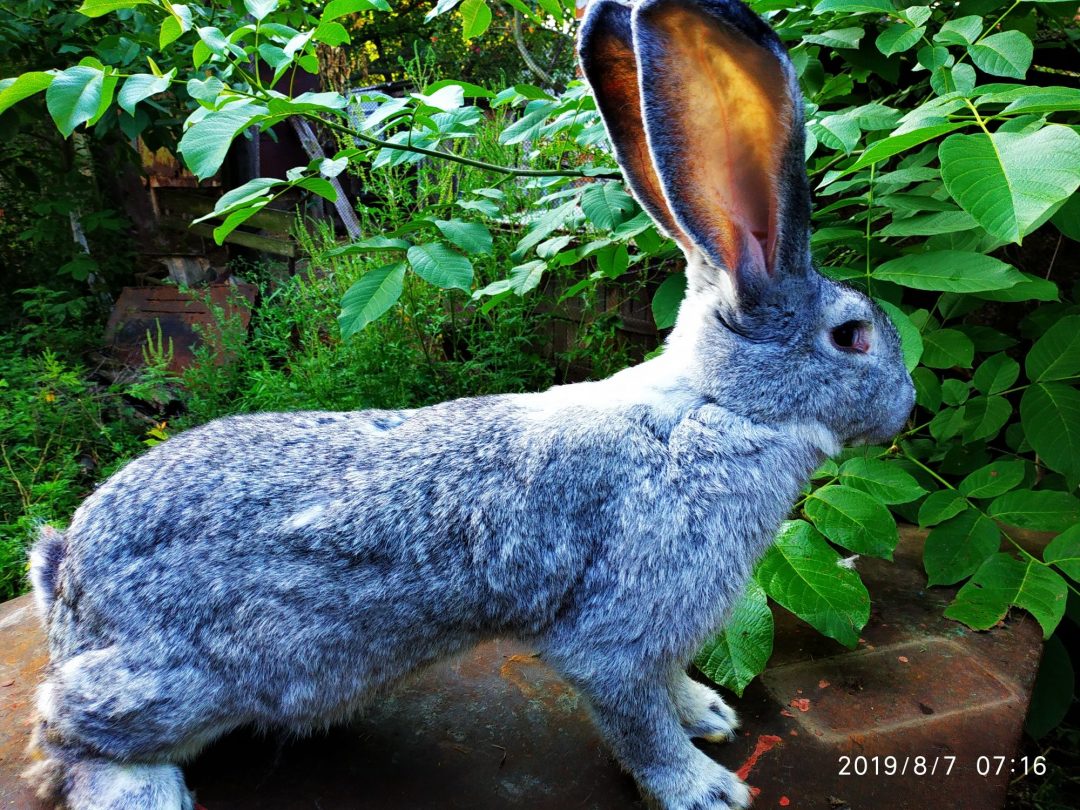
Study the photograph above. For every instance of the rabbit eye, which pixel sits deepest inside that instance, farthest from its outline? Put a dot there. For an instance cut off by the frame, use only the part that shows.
(852, 336)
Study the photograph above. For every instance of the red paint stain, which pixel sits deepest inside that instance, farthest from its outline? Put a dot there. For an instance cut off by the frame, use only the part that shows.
(784, 801)
(765, 743)
(823, 684)
(802, 704)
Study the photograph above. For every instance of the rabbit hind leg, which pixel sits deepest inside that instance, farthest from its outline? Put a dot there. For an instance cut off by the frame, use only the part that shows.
(109, 734)
(81, 782)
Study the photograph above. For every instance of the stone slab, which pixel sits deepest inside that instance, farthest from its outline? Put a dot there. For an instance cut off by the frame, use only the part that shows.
(913, 708)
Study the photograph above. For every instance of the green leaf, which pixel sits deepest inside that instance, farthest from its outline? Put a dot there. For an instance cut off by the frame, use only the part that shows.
(529, 124)
(1043, 510)
(1009, 180)
(373, 244)
(244, 194)
(1050, 415)
(1005, 54)
(911, 342)
(235, 219)
(853, 519)
(856, 6)
(205, 91)
(941, 505)
(1002, 581)
(874, 116)
(140, 87)
(339, 8)
(260, 8)
(547, 224)
(992, 480)
(1032, 288)
(955, 392)
(205, 144)
(218, 43)
(947, 423)
(997, 373)
(99, 8)
(895, 144)
(370, 297)
(960, 31)
(472, 237)
(947, 348)
(839, 38)
(804, 574)
(613, 261)
(441, 266)
(899, 38)
(1056, 355)
(318, 185)
(667, 299)
(605, 203)
(73, 97)
(956, 548)
(475, 18)
(949, 271)
(984, 417)
(1035, 99)
(838, 132)
(916, 15)
(741, 650)
(468, 90)
(884, 481)
(1064, 552)
(927, 388)
(24, 86)
(930, 224)
(330, 33)
(171, 29)
(526, 277)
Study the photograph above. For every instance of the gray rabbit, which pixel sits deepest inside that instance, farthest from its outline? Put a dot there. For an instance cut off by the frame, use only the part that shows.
(281, 570)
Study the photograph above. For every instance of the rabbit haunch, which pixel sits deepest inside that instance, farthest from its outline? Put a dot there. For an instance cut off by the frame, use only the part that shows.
(281, 570)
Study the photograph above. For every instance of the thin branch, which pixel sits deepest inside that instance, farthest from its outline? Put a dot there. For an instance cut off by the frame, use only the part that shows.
(454, 158)
(530, 63)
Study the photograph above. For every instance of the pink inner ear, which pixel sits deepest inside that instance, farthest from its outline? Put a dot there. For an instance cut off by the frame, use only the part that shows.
(734, 116)
(617, 87)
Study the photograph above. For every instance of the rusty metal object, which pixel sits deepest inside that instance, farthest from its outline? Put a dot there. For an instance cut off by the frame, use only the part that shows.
(185, 319)
(497, 729)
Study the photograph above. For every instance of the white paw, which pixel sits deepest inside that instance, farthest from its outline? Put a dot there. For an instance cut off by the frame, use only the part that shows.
(724, 791)
(703, 712)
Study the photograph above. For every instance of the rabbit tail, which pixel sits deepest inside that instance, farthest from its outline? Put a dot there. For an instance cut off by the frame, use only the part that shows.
(45, 559)
(77, 780)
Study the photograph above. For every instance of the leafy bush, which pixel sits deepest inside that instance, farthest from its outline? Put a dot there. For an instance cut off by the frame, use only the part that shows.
(58, 433)
(945, 164)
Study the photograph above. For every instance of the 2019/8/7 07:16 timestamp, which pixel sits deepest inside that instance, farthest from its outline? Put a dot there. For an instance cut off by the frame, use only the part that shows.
(937, 765)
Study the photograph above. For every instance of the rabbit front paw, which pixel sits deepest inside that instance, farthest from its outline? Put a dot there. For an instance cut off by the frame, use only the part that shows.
(703, 713)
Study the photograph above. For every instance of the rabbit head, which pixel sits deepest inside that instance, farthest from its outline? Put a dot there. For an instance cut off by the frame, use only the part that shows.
(704, 111)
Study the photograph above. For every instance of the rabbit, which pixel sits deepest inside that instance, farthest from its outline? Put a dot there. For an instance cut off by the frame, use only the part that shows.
(283, 570)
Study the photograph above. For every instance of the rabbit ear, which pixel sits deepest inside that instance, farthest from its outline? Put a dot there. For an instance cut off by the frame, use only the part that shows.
(605, 47)
(724, 119)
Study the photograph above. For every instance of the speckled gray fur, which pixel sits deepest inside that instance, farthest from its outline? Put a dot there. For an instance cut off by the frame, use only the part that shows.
(282, 569)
